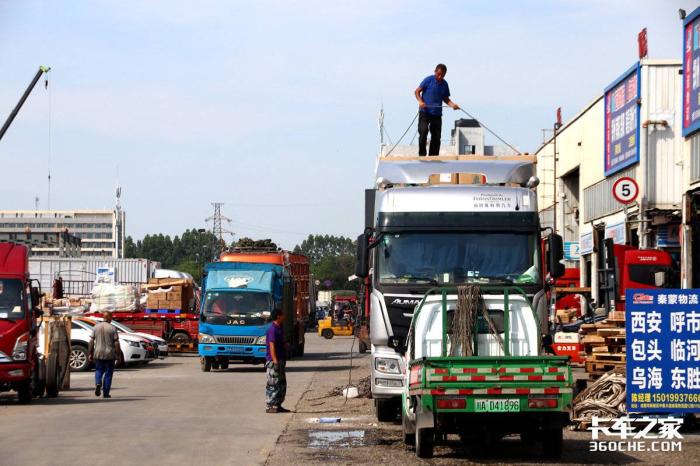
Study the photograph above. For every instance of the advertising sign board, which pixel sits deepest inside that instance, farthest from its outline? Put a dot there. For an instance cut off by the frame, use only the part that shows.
(663, 350)
(691, 73)
(622, 121)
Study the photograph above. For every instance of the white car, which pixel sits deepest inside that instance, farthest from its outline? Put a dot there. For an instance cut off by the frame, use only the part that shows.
(159, 342)
(135, 349)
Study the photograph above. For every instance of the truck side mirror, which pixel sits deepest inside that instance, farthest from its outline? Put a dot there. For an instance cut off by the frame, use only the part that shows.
(362, 264)
(35, 296)
(555, 254)
(660, 279)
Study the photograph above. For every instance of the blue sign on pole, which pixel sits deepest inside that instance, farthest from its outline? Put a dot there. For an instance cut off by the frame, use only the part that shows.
(622, 121)
(663, 350)
(571, 251)
(691, 73)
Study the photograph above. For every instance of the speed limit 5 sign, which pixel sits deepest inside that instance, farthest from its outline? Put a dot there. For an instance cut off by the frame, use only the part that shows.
(625, 190)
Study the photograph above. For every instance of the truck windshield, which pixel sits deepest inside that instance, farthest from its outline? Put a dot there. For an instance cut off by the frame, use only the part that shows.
(458, 258)
(11, 299)
(237, 307)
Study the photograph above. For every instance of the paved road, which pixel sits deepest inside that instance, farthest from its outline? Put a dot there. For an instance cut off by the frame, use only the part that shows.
(168, 412)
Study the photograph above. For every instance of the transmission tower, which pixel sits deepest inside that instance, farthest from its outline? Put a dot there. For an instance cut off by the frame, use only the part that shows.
(218, 227)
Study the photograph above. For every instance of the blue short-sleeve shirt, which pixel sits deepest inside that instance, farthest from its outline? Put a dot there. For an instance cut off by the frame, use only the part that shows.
(275, 334)
(434, 92)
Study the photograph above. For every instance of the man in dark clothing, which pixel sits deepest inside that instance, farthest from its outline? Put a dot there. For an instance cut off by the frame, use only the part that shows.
(104, 350)
(275, 365)
(431, 93)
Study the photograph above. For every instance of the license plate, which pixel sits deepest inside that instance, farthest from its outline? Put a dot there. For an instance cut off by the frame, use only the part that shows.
(497, 406)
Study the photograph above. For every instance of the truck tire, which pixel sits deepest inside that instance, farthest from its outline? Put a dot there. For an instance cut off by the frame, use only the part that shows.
(425, 442)
(205, 362)
(409, 436)
(552, 442)
(24, 392)
(386, 410)
(362, 347)
(39, 378)
(223, 365)
(180, 338)
(78, 359)
(53, 376)
(327, 333)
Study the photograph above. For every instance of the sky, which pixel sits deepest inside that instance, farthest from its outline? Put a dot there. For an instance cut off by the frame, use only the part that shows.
(271, 106)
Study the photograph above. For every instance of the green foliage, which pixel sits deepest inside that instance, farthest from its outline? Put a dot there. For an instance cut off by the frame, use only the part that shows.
(332, 258)
(186, 253)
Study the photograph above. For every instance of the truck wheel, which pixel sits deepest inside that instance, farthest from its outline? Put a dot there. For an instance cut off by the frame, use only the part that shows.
(24, 391)
(78, 359)
(386, 410)
(39, 378)
(362, 347)
(327, 333)
(53, 376)
(552, 441)
(409, 437)
(180, 339)
(224, 365)
(425, 441)
(205, 362)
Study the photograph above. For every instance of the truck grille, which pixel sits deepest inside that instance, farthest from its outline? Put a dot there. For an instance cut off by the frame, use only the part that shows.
(231, 340)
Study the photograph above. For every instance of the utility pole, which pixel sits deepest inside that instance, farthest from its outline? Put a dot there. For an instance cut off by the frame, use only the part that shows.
(218, 228)
(557, 125)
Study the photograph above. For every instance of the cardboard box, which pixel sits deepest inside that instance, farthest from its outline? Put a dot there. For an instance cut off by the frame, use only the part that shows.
(443, 178)
(152, 302)
(470, 178)
(174, 295)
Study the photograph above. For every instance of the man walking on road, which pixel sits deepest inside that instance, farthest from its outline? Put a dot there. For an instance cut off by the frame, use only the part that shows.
(430, 94)
(275, 365)
(104, 349)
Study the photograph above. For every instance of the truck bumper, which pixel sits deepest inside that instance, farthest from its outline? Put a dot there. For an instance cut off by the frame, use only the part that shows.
(385, 385)
(14, 372)
(232, 351)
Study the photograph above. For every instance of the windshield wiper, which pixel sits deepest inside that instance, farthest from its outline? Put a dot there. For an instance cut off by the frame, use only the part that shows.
(432, 281)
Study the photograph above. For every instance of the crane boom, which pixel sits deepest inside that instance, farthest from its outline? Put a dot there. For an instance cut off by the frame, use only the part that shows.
(13, 114)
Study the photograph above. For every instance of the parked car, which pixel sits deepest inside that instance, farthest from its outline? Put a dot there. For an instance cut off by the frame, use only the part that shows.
(160, 344)
(135, 349)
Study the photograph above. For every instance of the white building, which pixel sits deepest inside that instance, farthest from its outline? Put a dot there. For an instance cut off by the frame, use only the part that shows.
(101, 231)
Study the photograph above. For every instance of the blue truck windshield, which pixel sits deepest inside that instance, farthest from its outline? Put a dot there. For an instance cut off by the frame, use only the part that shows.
(11, 299)
(458, 258)
(237, 307)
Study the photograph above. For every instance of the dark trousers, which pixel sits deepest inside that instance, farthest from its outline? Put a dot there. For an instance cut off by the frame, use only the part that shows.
(104, 368)
(276, 388)
(432, 123)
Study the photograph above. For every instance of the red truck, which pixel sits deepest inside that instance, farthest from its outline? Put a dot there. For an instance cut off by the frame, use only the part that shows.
(22, 368)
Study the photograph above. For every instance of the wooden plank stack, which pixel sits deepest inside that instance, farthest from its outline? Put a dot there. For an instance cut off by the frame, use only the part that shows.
(169, 294)
(604, 345)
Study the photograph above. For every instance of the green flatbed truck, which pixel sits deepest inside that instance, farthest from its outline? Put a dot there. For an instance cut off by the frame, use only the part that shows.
(505, 386)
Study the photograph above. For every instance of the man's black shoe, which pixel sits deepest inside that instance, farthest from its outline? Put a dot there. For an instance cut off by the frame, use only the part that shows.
(107, 396)
(282, 410)
(272, 410)
(98, 389)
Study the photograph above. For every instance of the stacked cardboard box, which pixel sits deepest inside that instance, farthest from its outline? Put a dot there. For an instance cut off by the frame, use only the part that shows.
(169, 293)
(566, 316)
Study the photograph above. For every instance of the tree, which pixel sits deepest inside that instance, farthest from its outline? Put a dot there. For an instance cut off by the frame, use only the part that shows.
(332, 259)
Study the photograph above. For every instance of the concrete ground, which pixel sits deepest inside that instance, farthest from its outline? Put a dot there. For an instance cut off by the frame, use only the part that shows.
(168, 412)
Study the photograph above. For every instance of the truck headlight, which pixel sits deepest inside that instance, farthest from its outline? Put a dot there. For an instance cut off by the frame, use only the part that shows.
(19, 353)
(261, 340)
(204, 338)
(387, 365)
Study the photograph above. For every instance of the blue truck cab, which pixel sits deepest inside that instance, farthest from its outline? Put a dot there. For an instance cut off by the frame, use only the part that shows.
(239, 293)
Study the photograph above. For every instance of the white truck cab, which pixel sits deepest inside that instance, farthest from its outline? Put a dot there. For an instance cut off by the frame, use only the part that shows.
(428, 225)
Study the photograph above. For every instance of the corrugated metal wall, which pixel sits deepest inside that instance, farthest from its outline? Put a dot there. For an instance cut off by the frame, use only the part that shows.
(84, 270)
(598, 199)
(661, 102)
(695, 157)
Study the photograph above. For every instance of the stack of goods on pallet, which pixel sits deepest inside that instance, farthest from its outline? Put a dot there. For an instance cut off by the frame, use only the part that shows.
(604, 344)
(566, 316)
(111, 297)
(169, 294)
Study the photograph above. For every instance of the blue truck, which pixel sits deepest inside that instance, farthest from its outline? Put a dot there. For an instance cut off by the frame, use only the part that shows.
(239, 293)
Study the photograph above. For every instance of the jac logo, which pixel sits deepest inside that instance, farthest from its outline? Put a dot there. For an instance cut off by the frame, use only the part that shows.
(405, 302)
(641, 298)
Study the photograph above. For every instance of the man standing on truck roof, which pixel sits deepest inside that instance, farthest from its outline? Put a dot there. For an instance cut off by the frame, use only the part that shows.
(275, 365)
(104, 349)
(430, 94)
